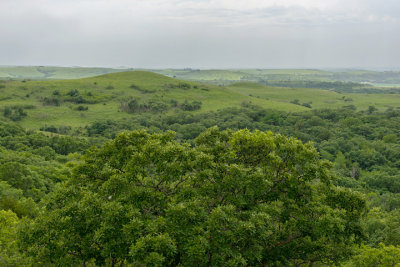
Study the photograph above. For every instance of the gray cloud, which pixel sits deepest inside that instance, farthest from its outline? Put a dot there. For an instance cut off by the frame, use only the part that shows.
(200, 33)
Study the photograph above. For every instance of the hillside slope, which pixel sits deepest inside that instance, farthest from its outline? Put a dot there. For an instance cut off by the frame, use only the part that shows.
(75, 103)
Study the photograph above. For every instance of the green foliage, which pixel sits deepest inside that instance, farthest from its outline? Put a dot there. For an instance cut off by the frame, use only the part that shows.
(144, 91)
(33, 173)
(390, 138)
(385, 256)
(195, 105)
(9, 253)
(51, 101)
(73, 93)
(147, 199)
(28, 161)
(50, 128)
(235, 198)
(14, 113)
(10, 129)
(134, 106)
(7, 112)
(82, 108)
(13, 199)
(155, 105)
(54, 129)
(382, 227)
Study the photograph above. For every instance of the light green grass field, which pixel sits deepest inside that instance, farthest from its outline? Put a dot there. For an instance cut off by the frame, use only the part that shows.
(228, 76)
(109, 90)
(318, 98)
(106, 92)
(204, 75)
(254, 75)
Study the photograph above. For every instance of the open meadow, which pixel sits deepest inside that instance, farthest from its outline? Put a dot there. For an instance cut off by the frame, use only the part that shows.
(77, 102)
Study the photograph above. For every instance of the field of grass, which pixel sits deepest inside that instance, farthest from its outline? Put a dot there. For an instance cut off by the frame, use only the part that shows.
(317, 98)
(104, 94)
(219, 77)
(389, 78)
(204, 75)
(102, 97)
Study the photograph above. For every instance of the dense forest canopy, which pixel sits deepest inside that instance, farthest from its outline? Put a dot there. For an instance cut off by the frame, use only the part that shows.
(234, 198)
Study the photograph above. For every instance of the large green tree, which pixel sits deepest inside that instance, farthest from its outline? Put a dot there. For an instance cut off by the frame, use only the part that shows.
(230, 199)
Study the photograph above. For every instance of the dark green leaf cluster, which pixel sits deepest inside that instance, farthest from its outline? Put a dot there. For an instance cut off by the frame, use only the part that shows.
(14, 113)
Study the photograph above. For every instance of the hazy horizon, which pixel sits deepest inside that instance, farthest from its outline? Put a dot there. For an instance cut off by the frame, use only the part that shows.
(201, 34)
(199, 68)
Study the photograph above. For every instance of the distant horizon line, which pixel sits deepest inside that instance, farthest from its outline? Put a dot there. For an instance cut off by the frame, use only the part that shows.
(212, 68)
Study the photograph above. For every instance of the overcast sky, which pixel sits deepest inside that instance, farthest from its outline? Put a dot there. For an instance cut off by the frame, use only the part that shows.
(201, 33)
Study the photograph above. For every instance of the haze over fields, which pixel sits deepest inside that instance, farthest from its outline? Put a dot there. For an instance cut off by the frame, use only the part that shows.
(201, 33)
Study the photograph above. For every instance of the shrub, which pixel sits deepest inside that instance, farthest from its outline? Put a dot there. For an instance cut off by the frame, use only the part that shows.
(73, 93)
(14, 113)
(82, 108)
(51, 101)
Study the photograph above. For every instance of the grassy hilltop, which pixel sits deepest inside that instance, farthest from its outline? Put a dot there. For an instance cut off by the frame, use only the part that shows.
(116, 96)
(80, 101)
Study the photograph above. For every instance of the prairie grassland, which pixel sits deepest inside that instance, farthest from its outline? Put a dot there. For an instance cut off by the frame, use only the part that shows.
(78, 102)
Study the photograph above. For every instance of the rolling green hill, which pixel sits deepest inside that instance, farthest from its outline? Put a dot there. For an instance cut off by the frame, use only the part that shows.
(117, 96)
(77, 102)
(287, 77)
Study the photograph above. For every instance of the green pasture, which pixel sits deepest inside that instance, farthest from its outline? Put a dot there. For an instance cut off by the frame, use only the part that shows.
(108, 91)
(105, 93)
(215, 76)
(317, 98)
